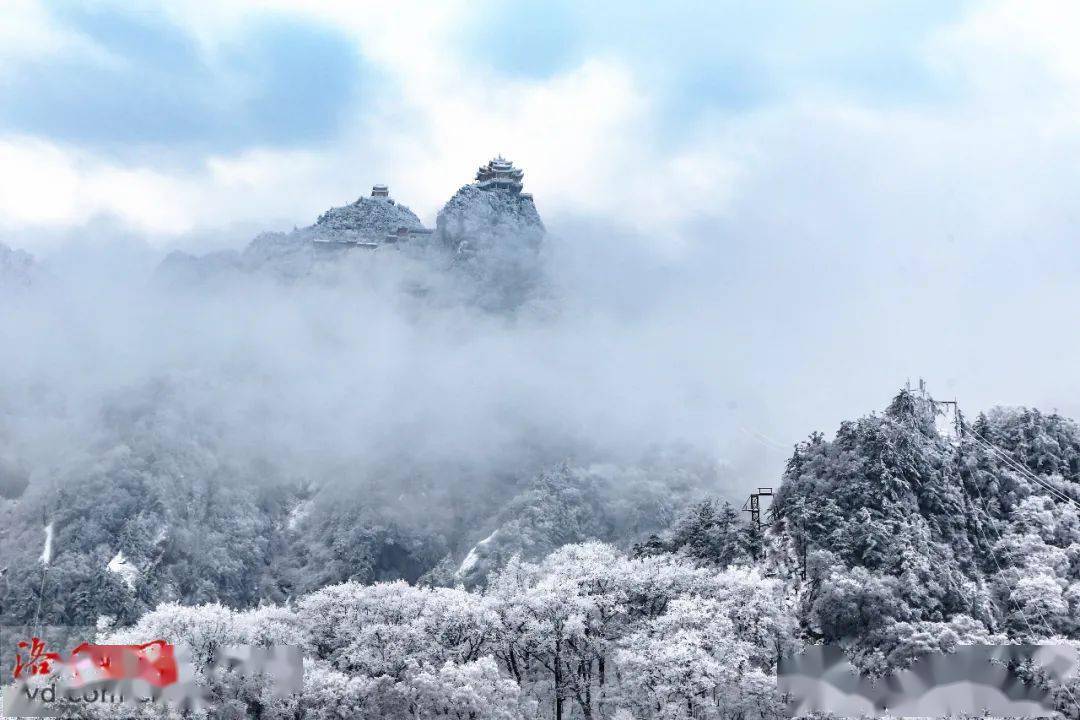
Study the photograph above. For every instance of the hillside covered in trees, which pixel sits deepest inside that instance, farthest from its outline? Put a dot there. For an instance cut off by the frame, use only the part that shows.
(465, 492)
(904, 541)
(892, 539)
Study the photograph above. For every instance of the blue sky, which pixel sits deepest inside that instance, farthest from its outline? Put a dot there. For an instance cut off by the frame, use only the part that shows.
(280, 82)
(732, 55)
(140, 76)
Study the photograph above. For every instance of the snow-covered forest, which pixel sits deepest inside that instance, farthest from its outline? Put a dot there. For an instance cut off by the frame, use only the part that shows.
(587, 632)
(539, 360)
(883, 542)
(359, 442)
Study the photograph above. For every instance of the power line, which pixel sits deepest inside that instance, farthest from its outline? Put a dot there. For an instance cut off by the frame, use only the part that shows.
(1015, 465)
(996, 452)
(1001, 571)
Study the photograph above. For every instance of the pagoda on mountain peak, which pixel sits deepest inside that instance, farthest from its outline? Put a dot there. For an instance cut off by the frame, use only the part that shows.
(500, 174)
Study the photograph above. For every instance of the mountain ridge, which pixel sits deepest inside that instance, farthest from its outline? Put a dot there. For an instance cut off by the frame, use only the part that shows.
(490, 230)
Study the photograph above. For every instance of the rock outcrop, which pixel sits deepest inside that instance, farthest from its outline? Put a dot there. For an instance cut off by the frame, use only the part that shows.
(494, 235)
(478, 221)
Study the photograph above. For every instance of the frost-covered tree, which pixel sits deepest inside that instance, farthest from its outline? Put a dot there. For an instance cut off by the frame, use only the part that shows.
(574, 626)
(691, 663)
(471, 691)
(895, 533)
(709, 532)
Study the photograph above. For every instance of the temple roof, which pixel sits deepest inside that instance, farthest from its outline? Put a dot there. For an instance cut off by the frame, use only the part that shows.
(500, 173)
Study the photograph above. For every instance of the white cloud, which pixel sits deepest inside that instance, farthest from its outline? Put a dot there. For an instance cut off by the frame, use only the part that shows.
(854, 244)
(593, 140)
(1018, 48)
(28, 33)
(38, 185)
(48, 185)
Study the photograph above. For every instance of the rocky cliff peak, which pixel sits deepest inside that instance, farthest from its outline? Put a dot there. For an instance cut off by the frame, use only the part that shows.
(495, 233)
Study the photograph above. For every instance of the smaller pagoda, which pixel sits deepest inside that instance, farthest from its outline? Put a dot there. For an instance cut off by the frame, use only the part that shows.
(500, 174)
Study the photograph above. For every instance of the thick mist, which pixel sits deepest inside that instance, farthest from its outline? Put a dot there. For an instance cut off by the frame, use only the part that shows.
(750, 336)
(350, 366)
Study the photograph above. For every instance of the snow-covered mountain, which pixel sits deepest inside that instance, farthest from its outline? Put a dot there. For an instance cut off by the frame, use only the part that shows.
(362, 226)
(903, 540)
(488, 236)
(891, 542)
(369, 219)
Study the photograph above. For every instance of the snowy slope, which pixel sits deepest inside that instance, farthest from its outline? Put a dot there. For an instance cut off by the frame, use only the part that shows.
(367, 219)
(356, 227)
